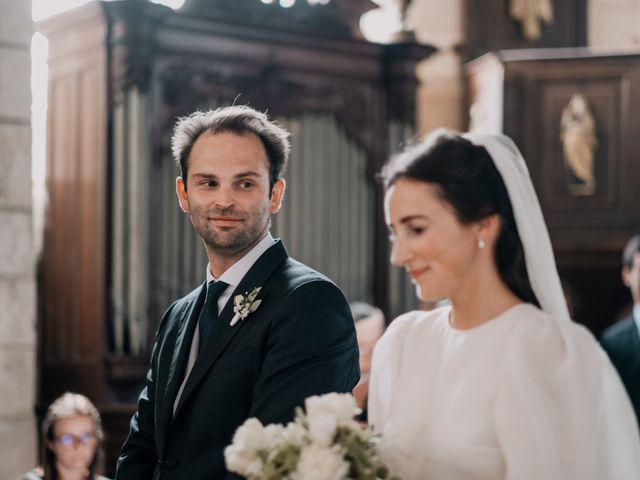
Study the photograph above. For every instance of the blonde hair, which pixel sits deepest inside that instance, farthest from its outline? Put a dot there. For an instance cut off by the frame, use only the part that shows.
(66, 406)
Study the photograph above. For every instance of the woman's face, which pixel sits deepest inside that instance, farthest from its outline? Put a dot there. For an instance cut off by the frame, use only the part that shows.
(439, 253)
(74, 442)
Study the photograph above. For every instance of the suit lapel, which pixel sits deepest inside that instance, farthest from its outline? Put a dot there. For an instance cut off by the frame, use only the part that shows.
(634, 341)
(175, 376)
(257, 276)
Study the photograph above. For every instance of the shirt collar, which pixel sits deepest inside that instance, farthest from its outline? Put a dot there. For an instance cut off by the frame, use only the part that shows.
(234, 274)
(636, 315)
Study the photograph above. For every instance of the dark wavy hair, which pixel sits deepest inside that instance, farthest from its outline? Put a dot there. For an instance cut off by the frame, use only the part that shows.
(238, 119)
(467, 179)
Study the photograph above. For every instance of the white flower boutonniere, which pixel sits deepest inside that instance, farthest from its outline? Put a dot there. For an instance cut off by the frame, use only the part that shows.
(245, 304)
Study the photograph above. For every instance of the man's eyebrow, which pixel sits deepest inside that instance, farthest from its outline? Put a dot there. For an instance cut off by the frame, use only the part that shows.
(249, 173)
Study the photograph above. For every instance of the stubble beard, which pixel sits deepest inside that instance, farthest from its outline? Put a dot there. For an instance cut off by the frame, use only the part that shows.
(234, 240)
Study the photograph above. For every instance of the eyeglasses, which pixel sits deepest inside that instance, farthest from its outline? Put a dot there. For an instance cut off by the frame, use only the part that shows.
(68, 439)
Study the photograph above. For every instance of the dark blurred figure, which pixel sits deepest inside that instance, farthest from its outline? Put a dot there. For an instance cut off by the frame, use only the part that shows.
(369, 328)
(622, 340)
(72, 439)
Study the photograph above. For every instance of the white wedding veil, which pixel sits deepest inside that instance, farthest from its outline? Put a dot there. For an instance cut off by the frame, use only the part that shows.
(541, 265)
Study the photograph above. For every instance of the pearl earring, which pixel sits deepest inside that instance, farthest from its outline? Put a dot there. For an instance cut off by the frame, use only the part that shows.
(481, 244)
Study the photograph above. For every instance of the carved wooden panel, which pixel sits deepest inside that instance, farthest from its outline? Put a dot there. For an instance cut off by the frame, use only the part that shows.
(73, 274)
(610, 172)
(611, 87)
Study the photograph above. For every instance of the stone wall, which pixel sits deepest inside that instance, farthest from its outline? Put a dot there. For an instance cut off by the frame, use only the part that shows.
(17, 267)
(614, 23)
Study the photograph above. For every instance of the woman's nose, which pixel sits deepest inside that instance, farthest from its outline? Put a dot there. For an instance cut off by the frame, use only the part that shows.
(400, 255)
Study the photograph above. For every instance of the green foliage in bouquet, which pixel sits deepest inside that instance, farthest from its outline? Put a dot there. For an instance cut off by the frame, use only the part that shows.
(323, 443)
(362, 456)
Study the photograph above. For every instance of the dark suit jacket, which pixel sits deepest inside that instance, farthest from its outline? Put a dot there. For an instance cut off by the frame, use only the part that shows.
(300, 341)
(622, 343)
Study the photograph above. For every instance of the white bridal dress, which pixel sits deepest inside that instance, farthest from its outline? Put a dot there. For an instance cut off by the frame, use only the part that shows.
(523, 396)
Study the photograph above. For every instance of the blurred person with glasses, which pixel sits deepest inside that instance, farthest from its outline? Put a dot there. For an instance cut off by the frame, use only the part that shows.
(72, 436)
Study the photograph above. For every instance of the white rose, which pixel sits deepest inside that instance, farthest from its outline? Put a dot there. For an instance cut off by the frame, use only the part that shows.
(242, 455)
(273, 435)
(341, 405)
(320, 463)
(322, 427)
(294, 433)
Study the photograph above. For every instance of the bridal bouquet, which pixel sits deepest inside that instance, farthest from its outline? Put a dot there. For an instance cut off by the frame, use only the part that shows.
(323, 443)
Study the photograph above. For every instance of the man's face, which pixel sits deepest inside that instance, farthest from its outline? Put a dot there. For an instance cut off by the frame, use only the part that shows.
(227, 191)
(631, 278)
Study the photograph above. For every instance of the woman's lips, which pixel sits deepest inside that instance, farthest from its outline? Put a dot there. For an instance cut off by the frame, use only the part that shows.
(416, 272)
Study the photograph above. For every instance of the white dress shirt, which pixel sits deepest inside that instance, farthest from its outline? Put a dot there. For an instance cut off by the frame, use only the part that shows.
(232, 276)
(636, 315)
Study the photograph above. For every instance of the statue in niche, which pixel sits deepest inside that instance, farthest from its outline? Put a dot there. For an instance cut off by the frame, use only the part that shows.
(579, 142)
(530, 14)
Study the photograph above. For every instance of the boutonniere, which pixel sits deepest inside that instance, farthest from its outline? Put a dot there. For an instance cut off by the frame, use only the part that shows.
(245, 304)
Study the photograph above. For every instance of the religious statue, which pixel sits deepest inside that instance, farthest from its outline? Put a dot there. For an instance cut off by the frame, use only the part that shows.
(530, 13)
(579, 142)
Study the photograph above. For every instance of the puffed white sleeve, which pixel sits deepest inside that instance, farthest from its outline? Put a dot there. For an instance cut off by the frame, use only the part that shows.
(385, 368)
(561, 411)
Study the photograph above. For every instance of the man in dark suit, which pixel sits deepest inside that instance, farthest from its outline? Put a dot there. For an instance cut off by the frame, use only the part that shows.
(284, 332)
(622, 340)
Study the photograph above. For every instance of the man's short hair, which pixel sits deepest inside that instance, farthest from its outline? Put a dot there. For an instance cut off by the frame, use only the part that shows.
(238, 119)
(632, 247)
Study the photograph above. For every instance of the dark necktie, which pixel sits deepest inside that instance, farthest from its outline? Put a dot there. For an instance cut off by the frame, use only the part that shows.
(209, 312)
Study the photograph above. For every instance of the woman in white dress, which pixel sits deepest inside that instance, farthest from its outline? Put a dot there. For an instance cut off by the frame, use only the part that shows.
(501, 384)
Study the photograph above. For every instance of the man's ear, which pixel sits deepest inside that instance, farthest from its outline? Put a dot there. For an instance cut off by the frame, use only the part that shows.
(277, 194)
(181, 191)
(625, 276)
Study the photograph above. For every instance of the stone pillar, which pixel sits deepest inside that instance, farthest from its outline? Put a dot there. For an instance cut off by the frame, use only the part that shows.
(440, 97)
(17, 267)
